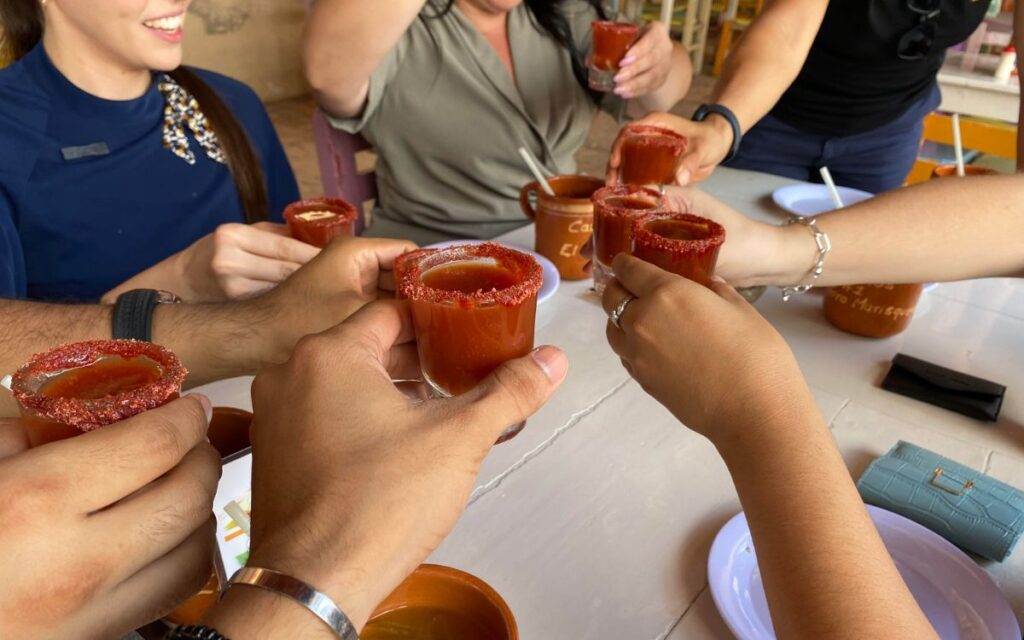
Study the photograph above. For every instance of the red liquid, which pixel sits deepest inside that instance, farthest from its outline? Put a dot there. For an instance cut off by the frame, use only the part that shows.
(83, 386)
(650, 155)
(461, 344)
(320, 220)
(473, 308)
(615, 210)
(683, 244)
(611, 42)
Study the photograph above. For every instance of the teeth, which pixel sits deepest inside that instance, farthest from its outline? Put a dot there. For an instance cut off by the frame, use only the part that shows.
(166, 24)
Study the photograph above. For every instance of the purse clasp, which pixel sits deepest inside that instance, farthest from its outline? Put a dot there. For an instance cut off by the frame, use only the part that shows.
(945, 486)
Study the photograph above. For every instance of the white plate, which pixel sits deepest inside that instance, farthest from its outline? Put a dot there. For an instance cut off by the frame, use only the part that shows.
(959, 598)
(812, 199)
(551, 277)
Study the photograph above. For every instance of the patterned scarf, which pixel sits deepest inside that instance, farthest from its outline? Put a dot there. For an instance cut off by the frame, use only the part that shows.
(180, 112)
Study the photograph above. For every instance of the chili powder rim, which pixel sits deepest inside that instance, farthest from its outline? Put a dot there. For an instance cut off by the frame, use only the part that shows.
(409, 268)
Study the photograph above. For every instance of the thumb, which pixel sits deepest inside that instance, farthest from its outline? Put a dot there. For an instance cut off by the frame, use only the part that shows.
(514, 391)
(725, 290)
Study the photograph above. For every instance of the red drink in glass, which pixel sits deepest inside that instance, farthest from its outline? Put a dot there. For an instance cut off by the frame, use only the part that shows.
(611, 42)
(650, 155)
(615, 210)
(82, 386)
(473, 308)
(681, 243)
(319, 220)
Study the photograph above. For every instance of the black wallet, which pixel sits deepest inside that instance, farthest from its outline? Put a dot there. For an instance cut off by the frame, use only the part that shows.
(942, 387)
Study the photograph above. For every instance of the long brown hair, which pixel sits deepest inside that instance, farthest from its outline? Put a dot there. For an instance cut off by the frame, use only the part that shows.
(21, 29)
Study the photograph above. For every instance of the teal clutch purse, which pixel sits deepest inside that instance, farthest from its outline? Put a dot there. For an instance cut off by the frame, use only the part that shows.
(968, 508)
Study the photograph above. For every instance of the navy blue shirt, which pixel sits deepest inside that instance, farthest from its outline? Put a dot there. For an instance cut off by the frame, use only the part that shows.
(72, 229)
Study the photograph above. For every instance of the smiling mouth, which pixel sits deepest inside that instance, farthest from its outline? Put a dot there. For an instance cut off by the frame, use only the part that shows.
(171, 24)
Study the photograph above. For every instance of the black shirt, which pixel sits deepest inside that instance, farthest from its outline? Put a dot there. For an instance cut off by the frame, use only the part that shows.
(853, 80)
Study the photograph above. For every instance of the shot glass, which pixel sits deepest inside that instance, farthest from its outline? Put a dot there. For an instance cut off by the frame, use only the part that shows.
(615, 210)
(317, 221)
(564, 221)
(680, 243)
(611, 42)
(474, 307)
(78, 387)
(650, 155)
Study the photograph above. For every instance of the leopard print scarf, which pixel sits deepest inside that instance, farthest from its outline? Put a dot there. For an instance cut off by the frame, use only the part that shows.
(182, 112)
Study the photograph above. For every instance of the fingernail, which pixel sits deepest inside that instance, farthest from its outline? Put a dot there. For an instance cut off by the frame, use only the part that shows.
(684, 177)
(627, 60)
(552, 361)
(718, 279)
(207, 405)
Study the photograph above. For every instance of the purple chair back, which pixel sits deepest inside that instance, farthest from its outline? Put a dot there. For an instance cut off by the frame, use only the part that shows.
(336, 152)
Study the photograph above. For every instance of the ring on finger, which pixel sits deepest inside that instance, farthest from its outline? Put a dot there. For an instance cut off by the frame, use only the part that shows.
(616, 316)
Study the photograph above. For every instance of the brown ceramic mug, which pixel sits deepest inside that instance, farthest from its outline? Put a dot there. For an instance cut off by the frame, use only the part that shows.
(466, 606)
(565, 221)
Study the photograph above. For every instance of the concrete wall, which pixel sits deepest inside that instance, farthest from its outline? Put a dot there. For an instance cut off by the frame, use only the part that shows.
(255, 41)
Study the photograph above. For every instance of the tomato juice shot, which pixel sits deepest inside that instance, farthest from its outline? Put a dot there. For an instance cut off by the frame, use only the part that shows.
(650, 155)
(473, 308)
(317, 221)
(615, 210)
(611, 41)
(82, 386)
(680, 243)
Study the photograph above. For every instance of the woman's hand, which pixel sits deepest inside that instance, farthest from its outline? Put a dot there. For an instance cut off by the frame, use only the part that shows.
(754, 253)
(704, 353)
(234, 262)
(354, 482)
(708, 143)
(647, 64)
(107, 531)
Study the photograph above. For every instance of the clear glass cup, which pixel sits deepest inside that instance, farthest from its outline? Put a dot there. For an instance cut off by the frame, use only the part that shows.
(615, 210)
(473, 307)
(611, 41)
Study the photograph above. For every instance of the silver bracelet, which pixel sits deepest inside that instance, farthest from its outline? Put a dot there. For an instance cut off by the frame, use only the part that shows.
(824, 244)
(316, 601)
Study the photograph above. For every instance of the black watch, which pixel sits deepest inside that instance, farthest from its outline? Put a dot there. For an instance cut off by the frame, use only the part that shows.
(194, 632)
(133, 313)
(704, 110)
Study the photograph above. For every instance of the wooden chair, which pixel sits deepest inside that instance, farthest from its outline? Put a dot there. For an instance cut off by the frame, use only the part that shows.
(993, 138)
(732, 26)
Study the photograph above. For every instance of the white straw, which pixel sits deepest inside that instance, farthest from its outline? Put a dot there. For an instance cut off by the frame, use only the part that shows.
(239, 515)
(5, 382)
(831, 184)
(535, 170)
(958, 146)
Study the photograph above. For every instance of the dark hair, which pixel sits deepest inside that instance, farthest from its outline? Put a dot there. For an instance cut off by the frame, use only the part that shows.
(548, 15)
(21, 22)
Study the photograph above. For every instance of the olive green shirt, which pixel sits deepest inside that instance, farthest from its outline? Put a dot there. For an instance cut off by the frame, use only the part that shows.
(447, 120)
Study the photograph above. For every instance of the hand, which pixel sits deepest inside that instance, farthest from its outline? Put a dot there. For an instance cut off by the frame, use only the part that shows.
(704, 353)
(348, 273)
(708, 143)
(235, 262)
(12, 437)
(355, 483)
(647, 64)
(754, 252)
(112, 529)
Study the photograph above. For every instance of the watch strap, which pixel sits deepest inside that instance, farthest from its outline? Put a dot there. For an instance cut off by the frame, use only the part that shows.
(704, 110)
(194, 632)
(133, 314)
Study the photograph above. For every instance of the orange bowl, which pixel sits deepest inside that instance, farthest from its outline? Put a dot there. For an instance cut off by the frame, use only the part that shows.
(445, 595)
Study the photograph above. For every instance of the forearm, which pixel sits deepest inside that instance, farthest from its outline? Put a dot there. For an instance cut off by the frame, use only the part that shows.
(672, 90)
(166, 275)
(942, 230)
(345, 41)
(768, 58)
(826, 571)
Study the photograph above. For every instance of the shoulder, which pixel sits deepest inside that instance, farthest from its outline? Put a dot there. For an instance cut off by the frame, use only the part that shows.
(24, 116)
(20, 94)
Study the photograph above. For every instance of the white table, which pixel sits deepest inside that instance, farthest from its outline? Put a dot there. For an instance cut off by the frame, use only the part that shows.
(978, 94)
(596, 521)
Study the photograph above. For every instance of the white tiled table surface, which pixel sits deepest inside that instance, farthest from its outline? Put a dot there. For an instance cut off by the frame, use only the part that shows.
(596, 521)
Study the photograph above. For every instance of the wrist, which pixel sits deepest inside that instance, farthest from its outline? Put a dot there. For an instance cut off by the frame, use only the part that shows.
(723, 135)
(785, 417)
(792, 254)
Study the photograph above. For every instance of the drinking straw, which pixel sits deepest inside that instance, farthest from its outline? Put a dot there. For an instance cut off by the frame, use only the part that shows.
(958, 146)
(535, 170)
(6, 381)
(239, 515)
(831, 184)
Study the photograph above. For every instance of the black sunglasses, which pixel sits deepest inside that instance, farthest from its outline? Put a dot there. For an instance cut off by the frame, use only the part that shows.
(917, 43)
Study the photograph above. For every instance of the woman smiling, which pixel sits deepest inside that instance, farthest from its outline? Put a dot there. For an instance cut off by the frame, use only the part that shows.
(122, 169)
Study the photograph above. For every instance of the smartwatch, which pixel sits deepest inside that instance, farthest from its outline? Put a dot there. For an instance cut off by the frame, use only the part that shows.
(704, 110)
(133, 313)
